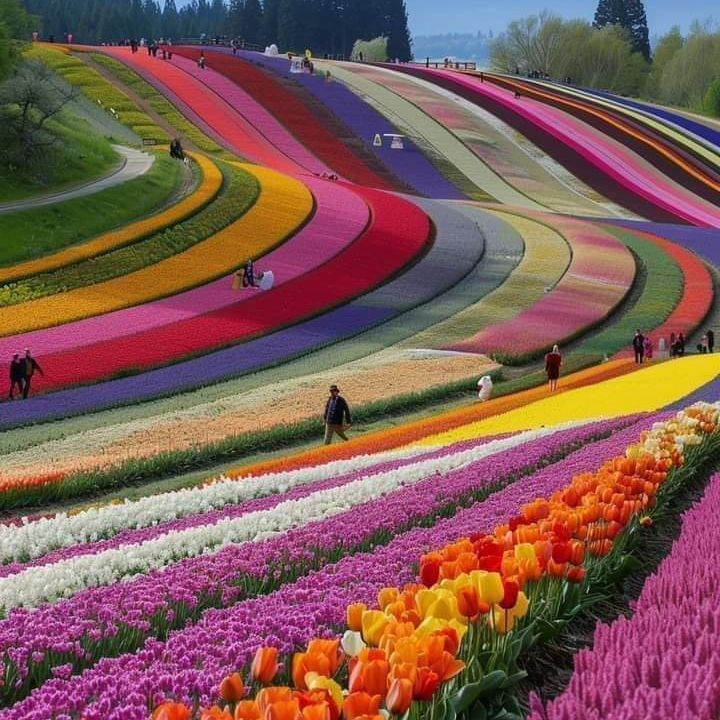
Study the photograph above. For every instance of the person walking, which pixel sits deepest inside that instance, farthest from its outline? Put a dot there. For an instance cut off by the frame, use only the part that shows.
(553, 362)
(638, 344)
(710, 340)
(337, 415)
(17, 376)
(648, 347)
(680, 345)
(31, 365)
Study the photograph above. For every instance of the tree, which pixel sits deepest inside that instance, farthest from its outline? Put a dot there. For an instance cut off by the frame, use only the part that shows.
(630, 15)
(271, 21)
(399, 43)
(28, 101)
(665, 50)
(712, 99)
(252, 18)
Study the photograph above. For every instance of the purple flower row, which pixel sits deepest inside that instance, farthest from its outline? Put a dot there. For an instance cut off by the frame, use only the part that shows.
(104, 620)
(663, 661)
(191, 663)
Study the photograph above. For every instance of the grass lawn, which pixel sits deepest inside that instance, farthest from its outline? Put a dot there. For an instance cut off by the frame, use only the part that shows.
(79, 156)
(32, 233)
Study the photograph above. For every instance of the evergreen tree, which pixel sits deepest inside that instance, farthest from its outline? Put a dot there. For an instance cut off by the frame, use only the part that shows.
(271, 21)
(399, 43)
(252, 20)
(630, 15)
(170, 20)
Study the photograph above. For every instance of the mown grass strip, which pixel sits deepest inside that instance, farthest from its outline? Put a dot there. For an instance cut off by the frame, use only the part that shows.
(34, 233)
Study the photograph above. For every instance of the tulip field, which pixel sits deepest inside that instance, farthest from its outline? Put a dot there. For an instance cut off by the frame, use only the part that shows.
(176, 541)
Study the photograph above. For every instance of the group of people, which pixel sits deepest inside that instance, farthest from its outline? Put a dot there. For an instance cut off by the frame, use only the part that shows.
(248, 277)
(643, 346)
(22, 370)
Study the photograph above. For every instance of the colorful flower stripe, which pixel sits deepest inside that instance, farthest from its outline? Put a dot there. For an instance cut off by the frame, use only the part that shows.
(398, 234)
(545, 260)
(255, 114)
(371, 84)
(415, 431)
(38, 584)
(614, 162)
(210, 108)
(209, 187)
(225, 640)
(340, 216)
(692, 165)
(292, 111)
(410, 166)
(436, 272)
(103, 613)
(698, 295)
(649, 389)
(282, 206)
(670, 131)
(599, 276)
(662, 660)
(479, 131)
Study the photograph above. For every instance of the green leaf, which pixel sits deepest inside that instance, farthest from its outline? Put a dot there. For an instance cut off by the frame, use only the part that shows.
(471, 693)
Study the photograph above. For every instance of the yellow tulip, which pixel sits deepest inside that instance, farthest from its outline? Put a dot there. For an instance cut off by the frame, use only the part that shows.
(374, 623)
(320, 682)
(525, 551)
(491, 588)
(521, 606)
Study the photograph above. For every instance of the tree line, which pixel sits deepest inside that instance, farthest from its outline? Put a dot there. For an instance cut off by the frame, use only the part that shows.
(613, 53)
(324, 26)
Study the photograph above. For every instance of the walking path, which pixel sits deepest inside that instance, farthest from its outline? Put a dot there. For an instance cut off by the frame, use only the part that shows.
(135, 163)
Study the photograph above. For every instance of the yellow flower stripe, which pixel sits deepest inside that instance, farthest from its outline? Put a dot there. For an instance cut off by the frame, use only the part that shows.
(212, 180)
(282, 206)
(546, 259)
(648, 389)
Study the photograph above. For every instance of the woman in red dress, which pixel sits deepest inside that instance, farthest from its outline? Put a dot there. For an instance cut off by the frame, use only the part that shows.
(553, 361)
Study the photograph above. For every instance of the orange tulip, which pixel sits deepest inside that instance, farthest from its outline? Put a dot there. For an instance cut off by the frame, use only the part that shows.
(386, 596)
(354, 616)
(215, 713)
(399, 696)
(247, 710)
(264, 665)
(426, 684)
(318, 711)
(172, 711)
(323, 697)
(283, 710)
(232, 688)
(270, 695)
(359, 704)
(322, 657)
(370, 676)
(403, 671)
(468, 601)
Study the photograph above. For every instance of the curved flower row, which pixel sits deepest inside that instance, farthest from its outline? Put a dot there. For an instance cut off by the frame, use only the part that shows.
(113, 619)
(283, 205)
(599, 276)
(667, 650)
(473, 590)
(209, 187)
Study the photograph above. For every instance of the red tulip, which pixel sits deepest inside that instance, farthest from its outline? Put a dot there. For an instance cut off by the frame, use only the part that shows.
(511, 589)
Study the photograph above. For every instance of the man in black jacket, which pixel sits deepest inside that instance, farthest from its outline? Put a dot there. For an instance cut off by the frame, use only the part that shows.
(31, 365)
(336, 411)
(17, 375)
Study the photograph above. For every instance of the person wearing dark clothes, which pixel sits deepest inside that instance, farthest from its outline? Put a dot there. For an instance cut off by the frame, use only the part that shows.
(248, 278)
(337, 415)
(553, 361)
(710, 340)
(680, 345)
(17, 376)
(638, 344)
(176, 150)
(31, 365)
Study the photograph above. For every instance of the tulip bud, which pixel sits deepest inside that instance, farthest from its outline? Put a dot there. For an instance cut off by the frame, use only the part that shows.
(352, 643)
(510, 594)
(172, 711)
(399, 696)
(264, 665)
(354, 616)
(491, 588)
(232, 688)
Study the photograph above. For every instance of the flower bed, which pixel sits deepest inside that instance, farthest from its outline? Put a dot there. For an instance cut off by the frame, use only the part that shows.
(544, 262)
(291, 111)
(153, 604)
(662, 660)
(621, 175)
(399, 233)
(339, 217)
(410, 165)
(698, 295)
(599, 276)
(210, 184)
(283, 205)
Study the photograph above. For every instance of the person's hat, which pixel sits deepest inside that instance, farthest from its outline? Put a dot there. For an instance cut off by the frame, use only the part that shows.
(334, 387)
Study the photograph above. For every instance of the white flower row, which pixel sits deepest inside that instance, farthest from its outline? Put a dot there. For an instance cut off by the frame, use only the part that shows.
(47, 583)
(35, 539)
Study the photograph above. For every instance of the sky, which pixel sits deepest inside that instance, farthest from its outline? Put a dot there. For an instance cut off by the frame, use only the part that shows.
(430, 17)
